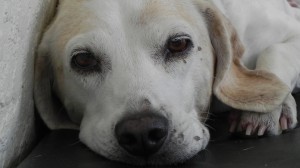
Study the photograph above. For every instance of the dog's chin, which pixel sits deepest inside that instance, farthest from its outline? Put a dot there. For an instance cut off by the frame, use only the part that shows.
(169, 155)
(166, 158)
(158, 160)
(180, 146)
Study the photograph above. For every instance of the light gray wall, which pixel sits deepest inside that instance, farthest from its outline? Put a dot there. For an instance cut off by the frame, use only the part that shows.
(21, 22)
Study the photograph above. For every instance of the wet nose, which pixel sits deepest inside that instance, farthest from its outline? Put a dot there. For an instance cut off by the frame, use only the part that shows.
(142, 134)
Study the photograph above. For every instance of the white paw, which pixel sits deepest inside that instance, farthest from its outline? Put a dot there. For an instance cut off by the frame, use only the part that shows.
(273, 123)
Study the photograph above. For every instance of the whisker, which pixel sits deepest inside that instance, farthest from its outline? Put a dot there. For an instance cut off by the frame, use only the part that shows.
(210, 127)
(75, 143)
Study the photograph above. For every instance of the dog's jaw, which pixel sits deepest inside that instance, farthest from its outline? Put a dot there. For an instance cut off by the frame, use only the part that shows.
(181, 146)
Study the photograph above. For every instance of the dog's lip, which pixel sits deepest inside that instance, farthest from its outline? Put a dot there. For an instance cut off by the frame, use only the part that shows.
(160, 158)
(156, 160)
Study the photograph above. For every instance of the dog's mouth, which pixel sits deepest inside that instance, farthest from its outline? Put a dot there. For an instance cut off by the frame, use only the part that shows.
(177, 148)
(174, 152)
(147, 138)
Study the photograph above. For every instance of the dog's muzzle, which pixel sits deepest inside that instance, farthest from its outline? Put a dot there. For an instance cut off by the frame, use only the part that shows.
(142, 134)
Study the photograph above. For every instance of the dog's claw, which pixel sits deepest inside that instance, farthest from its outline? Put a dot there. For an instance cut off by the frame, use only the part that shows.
(262, 130)
(233, 127)
(283, 123)
(233, 121)
(249, 130)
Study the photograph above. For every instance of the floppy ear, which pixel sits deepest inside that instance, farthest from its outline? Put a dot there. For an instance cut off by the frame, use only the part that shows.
(235, 85)
(47, 104)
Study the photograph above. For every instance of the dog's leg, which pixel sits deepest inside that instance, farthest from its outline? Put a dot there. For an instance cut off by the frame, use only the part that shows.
(283, 60)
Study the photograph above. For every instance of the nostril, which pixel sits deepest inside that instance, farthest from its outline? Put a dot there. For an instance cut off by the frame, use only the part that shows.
(127, 139)
(156, 135)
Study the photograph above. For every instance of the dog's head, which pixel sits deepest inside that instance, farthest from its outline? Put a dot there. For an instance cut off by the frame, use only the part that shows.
(136, 77)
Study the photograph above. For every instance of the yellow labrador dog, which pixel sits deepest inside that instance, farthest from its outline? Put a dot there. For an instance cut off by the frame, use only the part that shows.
(136, 77)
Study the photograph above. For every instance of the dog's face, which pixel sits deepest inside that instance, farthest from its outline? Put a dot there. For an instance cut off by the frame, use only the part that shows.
(137, 76)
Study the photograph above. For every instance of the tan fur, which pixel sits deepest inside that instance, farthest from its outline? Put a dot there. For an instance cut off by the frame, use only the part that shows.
(154, 9)
(47, 68)
(70, 25)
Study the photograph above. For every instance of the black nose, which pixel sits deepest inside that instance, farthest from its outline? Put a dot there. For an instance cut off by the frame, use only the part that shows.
(142, 134)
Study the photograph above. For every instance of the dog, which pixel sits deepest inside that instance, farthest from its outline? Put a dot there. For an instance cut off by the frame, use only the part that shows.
(137, 77)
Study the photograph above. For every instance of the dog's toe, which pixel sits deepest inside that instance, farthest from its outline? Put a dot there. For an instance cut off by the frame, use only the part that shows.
(261, 131)
(288, 118)
(258, 124)
(249, 130)
(283, 123)
(234, 118)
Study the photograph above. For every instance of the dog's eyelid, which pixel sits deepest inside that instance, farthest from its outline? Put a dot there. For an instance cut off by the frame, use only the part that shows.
(81, 51)
(180, 35)
(77, 52)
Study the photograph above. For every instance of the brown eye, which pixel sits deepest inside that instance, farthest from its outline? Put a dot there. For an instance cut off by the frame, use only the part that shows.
(84, 60)
(178, 44)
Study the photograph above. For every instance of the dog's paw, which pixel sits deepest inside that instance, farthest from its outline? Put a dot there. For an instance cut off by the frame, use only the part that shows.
(273, 123)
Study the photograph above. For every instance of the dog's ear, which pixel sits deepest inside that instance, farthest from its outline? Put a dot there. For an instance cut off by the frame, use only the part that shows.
(234, 84)
(48, 105)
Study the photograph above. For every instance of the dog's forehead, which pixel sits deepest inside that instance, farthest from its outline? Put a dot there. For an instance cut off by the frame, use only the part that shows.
(132, 25)
(115, 18)
(137, 11)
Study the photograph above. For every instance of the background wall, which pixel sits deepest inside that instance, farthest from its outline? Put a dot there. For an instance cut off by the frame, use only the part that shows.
(21, 22)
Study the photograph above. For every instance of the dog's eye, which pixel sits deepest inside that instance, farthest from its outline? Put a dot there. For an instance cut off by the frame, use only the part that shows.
(178, 44)
(84, 60)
